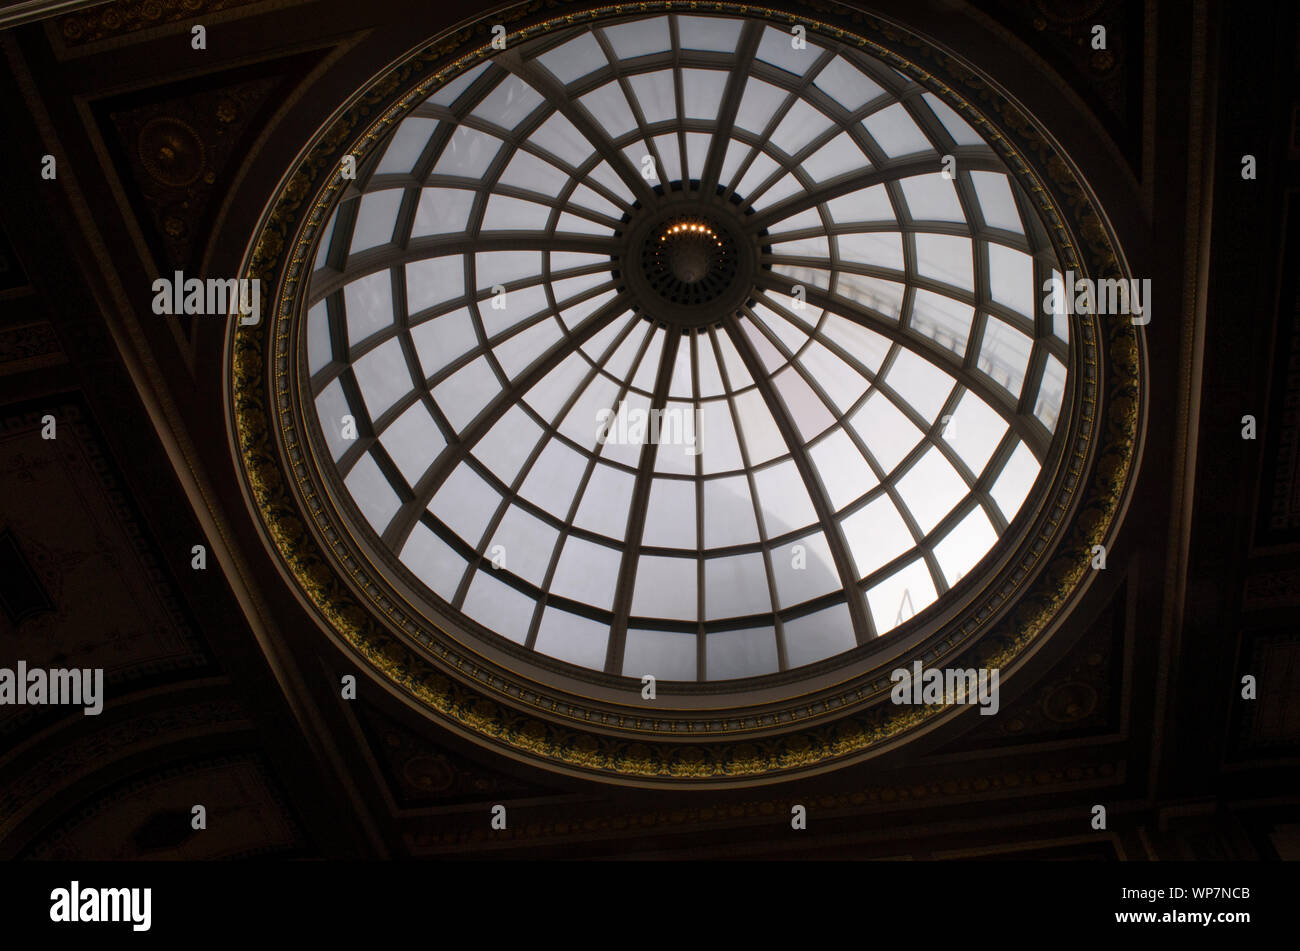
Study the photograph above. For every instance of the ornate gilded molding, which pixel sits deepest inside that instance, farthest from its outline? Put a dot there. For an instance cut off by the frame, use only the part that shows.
(470, 694)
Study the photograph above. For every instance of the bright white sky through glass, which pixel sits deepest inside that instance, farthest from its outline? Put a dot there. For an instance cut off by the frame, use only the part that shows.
(861, 449)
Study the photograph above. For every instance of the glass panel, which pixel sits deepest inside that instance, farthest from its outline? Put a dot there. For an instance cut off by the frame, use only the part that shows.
(574, 59)
(735, 586)
(866, 204)
(999, 208)
(319, 349)
(944, 320)
(708, 33)
(883, 297)
(516, 306)
(702, 92)
(974, 431)
(804, 569)
(407, 144)
(372, 493)
(500, 608)
(728, 513)
(465, 504)
(508, 104)
(945, 258)
(837, 157)
(368, 302)
(876, 534)
(961, 132)
(759, 104)
(819, 635)
(508, 443)
(468, 153)
(918, 381)
(519, 352)
(1013, 485)
(587, 572)
(573, 638)
(931, 489)
(665, 588)
(843, 384)
(777, 48)
(895, 132)
(605, 503)
(526, 544)
(717, 442)
(331, 407)
(666, 655)
(805, 407)
(1050, 393)
(748, 652)
(760, 170)
(877, 249)
(325, 239)
(433, 281)
(866, 347)
(847, 85)
(440, 341)
(1011, 278)
(802, 124)
(931, 198)
(886, 431)
(550, 393)
(449, 93)
(808, 218)
(584, 421)
(818, 247)
(656, 93)
(1004, 355)
(736, 152)
(608, 106)
(528, 171)
(413, 441)
(639, 37)
(433, 561)
(376, 219)
(762, 439)
(514, 214)
(503, 267)
(963, 547)
(697, 153)
(562, 139)
(670, 154)
(901, 596)
(785, 187)
(843, 470)
(382, 377)
(670, 514)
(782, 499)
(442, 211)
(466, 392)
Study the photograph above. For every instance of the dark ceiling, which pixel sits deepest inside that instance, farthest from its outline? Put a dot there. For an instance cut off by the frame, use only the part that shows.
(222, 692)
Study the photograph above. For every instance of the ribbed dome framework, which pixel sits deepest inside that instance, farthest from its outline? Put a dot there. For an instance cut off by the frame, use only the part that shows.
(835, 451)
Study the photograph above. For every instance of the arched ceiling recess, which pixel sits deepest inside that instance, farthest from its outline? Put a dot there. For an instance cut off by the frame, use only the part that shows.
(810, 254)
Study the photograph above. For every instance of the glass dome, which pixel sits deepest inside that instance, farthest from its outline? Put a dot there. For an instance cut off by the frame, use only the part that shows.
(685, 346)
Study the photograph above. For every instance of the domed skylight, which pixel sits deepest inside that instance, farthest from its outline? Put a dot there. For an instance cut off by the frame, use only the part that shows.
(691, 222)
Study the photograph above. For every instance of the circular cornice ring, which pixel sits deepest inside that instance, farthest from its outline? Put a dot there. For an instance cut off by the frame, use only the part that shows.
(631, 741)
